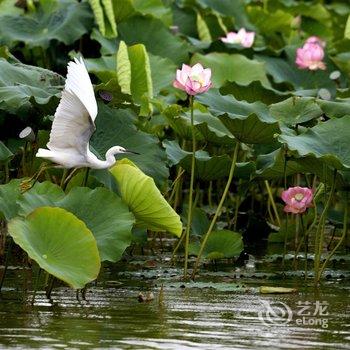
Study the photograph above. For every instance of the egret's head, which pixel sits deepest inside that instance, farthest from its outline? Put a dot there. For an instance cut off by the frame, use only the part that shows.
(120, 149)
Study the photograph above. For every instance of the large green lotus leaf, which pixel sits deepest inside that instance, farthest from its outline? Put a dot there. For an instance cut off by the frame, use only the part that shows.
(42, 194)
(5, 154)
(270, 22)
(8, 7)
(182, 127)
(155, 36)
(211, 128)
(296, 110)
(207, 167)
(253, 92)
(141, 82)
(65, 21)
(144, 199)
(162, 70)
(220, 244)
(103, 212)
(20, 83)
(327, 141)
(60, 243)
(334, 109)
(271, 165)
(9, 193)
(283, 70)
(248, 122)
(115, 127)
(108, 218)
(229, 8)
(104, 17)
(234, 67)
(156, 8)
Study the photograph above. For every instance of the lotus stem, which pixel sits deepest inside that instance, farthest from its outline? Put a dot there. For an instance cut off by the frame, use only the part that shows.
(36, 284)
(86, 176)
(218, 210)
(190, 199)
(7, 172)
(320, 231)
(7, 259)
(183, 235)
(64, 175)
(345, 229)
(273, 203)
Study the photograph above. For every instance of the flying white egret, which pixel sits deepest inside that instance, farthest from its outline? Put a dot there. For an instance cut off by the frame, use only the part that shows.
(74, 124)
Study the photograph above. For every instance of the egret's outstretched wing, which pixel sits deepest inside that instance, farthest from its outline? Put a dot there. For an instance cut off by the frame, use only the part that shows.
(74, 118)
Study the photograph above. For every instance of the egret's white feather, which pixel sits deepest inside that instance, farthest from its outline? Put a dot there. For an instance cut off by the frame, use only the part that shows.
(78, 83)
(74, 124)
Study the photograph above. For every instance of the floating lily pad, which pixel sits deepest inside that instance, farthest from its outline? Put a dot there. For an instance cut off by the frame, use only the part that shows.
(276, 290)
(60, 243)
(144, 199)
(220, 244)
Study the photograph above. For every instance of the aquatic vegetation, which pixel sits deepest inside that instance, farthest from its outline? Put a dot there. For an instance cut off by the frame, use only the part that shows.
(246, 144)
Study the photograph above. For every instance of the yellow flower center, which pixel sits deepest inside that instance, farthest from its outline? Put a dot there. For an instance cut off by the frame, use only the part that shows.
(198, 78)
(299, 197)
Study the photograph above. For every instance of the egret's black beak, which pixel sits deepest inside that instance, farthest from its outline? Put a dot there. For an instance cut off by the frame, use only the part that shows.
(128, 151)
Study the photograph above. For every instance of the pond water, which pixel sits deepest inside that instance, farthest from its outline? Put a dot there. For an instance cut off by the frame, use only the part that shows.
(232, 314)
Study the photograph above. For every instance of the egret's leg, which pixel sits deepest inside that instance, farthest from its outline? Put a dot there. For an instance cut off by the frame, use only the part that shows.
(69, 177)
(27, 184)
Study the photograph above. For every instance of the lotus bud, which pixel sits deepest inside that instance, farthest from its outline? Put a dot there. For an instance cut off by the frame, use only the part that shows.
(242, 37)
(310, 56)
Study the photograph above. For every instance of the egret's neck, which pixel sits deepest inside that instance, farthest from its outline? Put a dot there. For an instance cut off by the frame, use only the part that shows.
(110, 159)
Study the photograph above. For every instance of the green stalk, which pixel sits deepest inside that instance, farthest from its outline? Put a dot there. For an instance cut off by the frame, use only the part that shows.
(190, 199)
(6, 263)
(64, 175)
(320, 231)
(218, 210)
(86, 176)
(345, 229)
(7, 172)
(273, 203)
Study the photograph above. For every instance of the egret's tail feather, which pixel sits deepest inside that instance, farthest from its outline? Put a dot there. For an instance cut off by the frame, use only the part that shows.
(43, 153)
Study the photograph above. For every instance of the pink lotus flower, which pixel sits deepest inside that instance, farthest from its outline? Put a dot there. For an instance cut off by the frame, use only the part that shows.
(244, 38)
(310, 56)
(194, 80)
(315, 40)
(297, 199)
